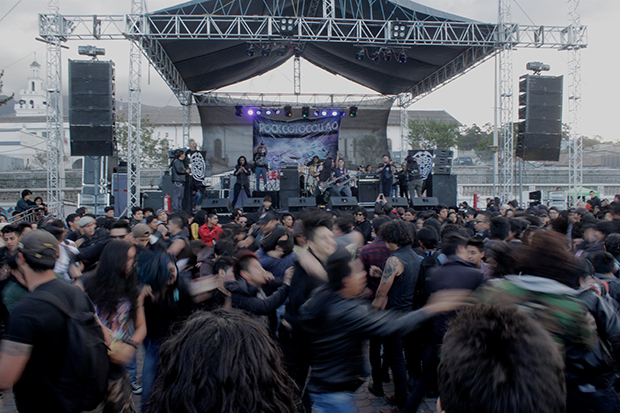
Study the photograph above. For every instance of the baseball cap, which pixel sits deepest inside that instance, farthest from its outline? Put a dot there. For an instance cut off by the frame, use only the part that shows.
(40, 246)
(141, 231)
(581, 211)
(266, 217)
(85, 221)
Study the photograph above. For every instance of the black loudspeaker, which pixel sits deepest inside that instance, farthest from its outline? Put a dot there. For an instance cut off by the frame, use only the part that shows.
(368, 187)
(153, 199)
(536, 195)
(442, 161)
(289, 180)
(424, 203)
(344, 203)
(539, 132)
(225, 182)
(299, 204)
(252, 204)
(217, 205)
(442, 170)
(286, 196)
(443, 153)
(397, 201)
(444, 189)
(91, 107)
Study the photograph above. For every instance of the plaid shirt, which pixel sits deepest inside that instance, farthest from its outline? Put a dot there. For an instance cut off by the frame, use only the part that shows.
(375, 253)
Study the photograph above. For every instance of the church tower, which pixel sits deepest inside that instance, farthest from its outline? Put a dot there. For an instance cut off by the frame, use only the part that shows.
(32, 99)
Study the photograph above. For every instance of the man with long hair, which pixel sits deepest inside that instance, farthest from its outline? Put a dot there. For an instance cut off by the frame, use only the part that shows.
(242, 173)
(179, 178)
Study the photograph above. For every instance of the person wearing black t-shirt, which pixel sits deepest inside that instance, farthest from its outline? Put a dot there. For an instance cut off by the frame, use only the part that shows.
(32, 351)
(260, 164)
(242, 172)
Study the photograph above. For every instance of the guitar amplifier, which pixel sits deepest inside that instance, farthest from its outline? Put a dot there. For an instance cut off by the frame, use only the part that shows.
(369, 178)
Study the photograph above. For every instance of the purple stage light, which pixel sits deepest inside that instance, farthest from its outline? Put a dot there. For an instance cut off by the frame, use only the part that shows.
(251, 112)
(323, 113)
(335, 113)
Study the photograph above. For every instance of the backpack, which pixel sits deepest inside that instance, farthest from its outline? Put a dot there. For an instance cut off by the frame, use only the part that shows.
(420, 295)
(83, 380)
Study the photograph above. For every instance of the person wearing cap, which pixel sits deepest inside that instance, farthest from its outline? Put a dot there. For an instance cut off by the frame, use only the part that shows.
(265, 224)
(32, 352)
(87, 226)
(141, 234)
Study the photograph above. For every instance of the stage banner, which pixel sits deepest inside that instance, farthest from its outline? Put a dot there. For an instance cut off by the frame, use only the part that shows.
(297, 141)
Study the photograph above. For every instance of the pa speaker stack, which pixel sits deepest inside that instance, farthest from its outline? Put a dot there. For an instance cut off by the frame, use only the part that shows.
(444, 185)
(91, 107)
(289, 184)
(343, 203)
(539, 132)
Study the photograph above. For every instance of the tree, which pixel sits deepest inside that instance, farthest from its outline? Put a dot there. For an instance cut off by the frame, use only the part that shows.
(430, 134)
(370, 148)
(477, 139)
(154, 151)
(6, 99)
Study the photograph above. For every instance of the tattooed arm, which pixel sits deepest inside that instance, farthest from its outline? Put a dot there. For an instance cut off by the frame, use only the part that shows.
(13, 359)
(393, 268)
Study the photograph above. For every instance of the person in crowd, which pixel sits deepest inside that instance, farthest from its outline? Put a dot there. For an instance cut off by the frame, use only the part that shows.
(266, 223)
(179, 179)
(499, 228)
(32, 351)
(546, 290)
(167, 304)
(344, 235)
(242, 173)
(260, 165)
(140, 235)
(210, 231)
(287, 221)
(222, 350)
(267, 205)
(88, 234)
(108, 212)
(523, 371)
(396, 289)
(385, 172)
(114, 290)
(178, 243)
(476, 252)
(24, 203)
(482, 224)
(200, 218)
(337, 324)
(442, 213)
(276, 252)
(72, 221)
(457, 273)
(66, 250)
(362, 224)
(250, 292)
(137, 215)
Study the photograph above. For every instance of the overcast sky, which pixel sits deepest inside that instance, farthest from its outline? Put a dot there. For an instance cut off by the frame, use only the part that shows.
(469, 98)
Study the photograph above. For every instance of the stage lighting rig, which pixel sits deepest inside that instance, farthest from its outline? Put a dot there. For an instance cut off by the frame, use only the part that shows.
(399, 31)
(250, 50)
(265, 50)
(387, 55)
(250, 112)
(282, 51)
(288, 26)
(374, 55)
(324, 112)
(360, 54)
(316, 113)
(305, 110)
(288, 111)
(268, 112)
(258, 111)
(353, 111)
(239, 110)
(91, 51)
(277, 111)
(402, 57)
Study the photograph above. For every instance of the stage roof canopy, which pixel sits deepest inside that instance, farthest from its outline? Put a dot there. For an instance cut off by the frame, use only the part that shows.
(208, 64)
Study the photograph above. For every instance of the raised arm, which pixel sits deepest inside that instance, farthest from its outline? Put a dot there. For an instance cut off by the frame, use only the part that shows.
(393, 268)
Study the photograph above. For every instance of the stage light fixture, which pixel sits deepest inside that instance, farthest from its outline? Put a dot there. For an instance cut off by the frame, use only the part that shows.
(305, 111)
(374, 56)
(282, 51)
(335, 113)
(278, 111)
(297, 51)
(387, 55)
(316, 113)
(288, 26)
(343, 113)
(250, 112)
(239, 110)
(399, 31)
(402, 57)
(323, 112)
(259, 112)
(268, 112)
(360, 54)
(265, 50)
(353, 111)
(288, 111)
(250, 50)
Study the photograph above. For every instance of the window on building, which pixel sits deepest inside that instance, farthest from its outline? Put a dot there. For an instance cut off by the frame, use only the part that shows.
(33, 86)
(32, 104)
(217, 149)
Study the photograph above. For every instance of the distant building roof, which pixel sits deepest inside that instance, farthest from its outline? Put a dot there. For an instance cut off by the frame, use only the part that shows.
(35, 63)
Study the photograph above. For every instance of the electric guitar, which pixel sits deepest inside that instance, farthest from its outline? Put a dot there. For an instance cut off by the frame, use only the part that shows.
(333, 181)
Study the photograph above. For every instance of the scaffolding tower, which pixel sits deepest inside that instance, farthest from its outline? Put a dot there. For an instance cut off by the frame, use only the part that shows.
(575, 147)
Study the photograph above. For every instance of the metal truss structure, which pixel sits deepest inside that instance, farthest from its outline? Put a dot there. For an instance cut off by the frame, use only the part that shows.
(274, 100)
(146, 30)
(134, 113)
(506, 129)
(575, 148)
(55, 138)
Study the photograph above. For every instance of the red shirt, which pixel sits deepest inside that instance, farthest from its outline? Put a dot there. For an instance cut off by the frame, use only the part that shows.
(208, 235)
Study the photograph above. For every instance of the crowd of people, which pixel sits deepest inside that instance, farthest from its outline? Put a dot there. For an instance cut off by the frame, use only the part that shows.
(500, 310)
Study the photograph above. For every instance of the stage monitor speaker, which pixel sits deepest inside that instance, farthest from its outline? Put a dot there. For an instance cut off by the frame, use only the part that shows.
(91, 107)
(343, 203)
(252, 204)
(444, 189)
(299, 204)
(536, 195)
(154, 200)
(397, 201)
(443, 153)
(285, 196)
(217, 205)
(538, 147)
(368, 191)
(441, 170)
(442, 161)
(424, 203)
(289, 180)
(275, 197)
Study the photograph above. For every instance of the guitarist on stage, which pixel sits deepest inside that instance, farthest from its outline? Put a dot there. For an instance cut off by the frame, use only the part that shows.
(324, 178)
(341, 174)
